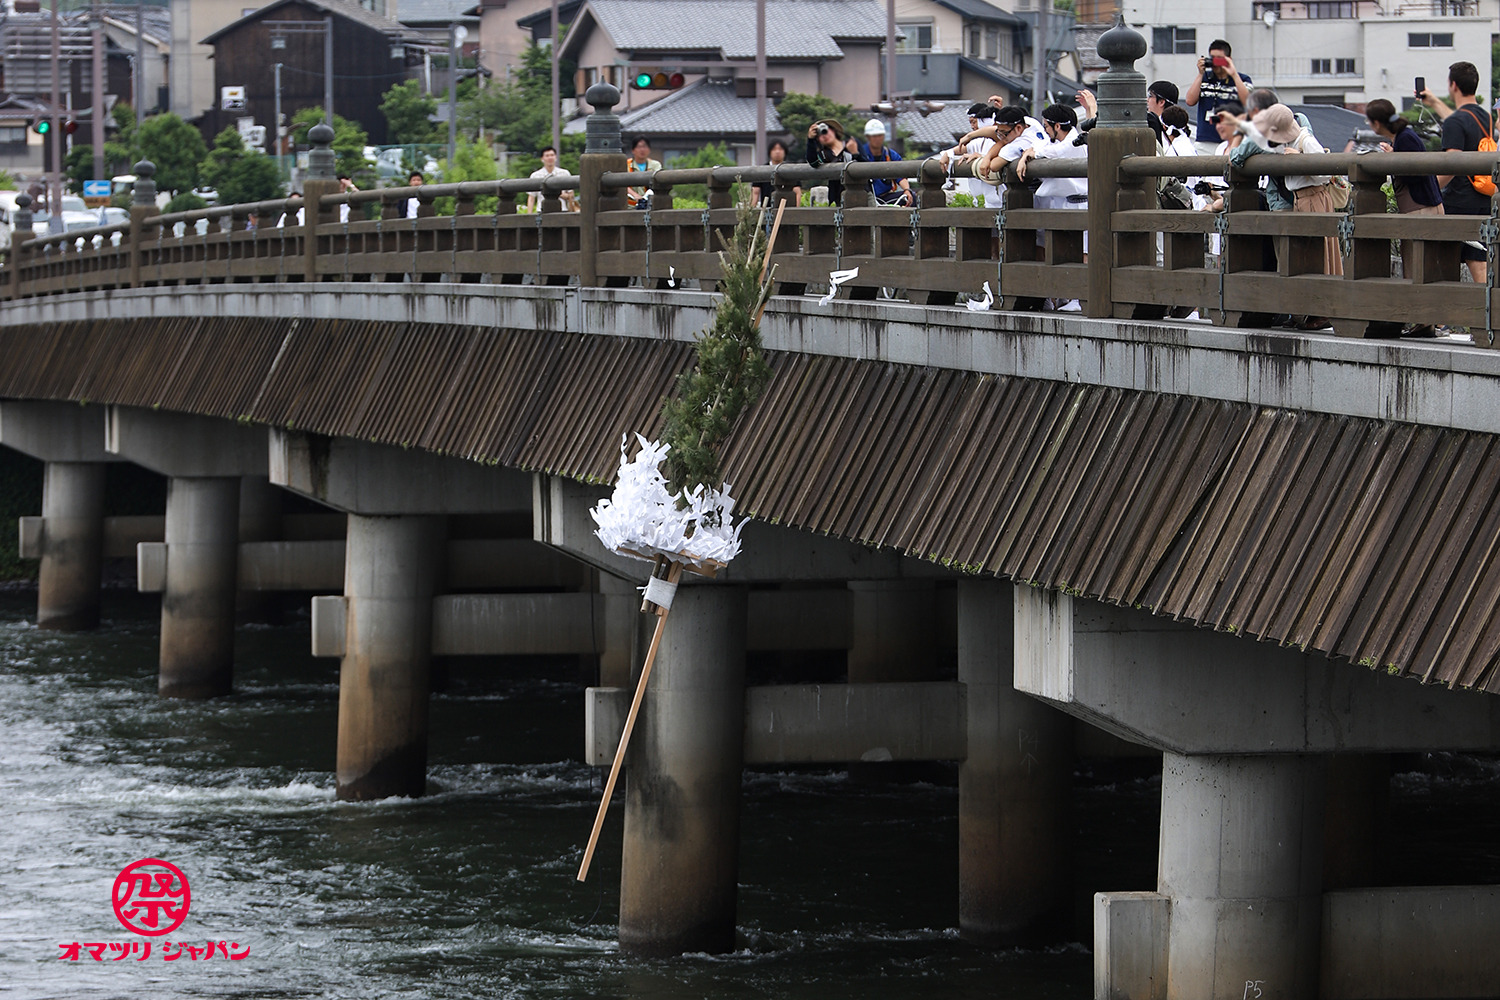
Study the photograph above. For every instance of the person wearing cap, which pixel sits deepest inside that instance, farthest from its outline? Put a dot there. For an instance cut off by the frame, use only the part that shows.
(874, 150)
(1276, 130)
(1014, 132)
(826, 145)
(1161, 95)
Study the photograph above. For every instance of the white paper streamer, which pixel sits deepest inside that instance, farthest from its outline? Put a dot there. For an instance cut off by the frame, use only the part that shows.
(660, 592)
(642, 518)
(835, 279)
(671, 276)
(980, 305)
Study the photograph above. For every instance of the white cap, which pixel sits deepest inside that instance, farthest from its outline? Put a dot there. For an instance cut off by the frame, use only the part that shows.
(874, 127)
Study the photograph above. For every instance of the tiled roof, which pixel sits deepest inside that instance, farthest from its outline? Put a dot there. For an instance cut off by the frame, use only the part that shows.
(341, 8)
(794, 28)
(429, 12)
(978, 10)
(702, 108)
(1334, 126)
(938, 130)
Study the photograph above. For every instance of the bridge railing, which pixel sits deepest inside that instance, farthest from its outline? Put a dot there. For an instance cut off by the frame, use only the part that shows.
(1237, 267)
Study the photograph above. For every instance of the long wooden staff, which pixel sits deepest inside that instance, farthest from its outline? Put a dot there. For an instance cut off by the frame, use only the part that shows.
(766, 267)
(673, 573)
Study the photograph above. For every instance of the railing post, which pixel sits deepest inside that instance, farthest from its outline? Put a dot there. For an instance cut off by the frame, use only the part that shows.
(1368, 258)
(142, 207)
(1120, 132)
(602, 154)
(21, 235)
(321, 179)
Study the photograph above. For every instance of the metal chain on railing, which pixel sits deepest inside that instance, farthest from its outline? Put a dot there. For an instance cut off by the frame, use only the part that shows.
(838, 238)
(539, 241)
(1221, 226)
(916, 230)
(646, 279)
(452, 244)
(708, 246)
(1489, 231)
(347, 241)
(416, 238)
(1346, 232)
(159, 228)
(1000, 257)
(281, 238)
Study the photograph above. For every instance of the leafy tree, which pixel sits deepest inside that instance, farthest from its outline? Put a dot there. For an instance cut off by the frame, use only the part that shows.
(520, 109)
(798, 111)
(709, 156)
(118, 148)
(185, 202)
(240, 175)
(408, 112)
(349, 142)
(78, 166)
(174, 146)
(472, 161)
(1494, 71)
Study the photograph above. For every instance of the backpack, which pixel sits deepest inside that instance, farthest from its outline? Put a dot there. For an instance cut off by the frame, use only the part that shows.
(1174, 195)
(1482, 183)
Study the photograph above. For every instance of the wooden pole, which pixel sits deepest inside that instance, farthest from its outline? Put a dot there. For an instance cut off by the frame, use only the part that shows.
(635, 708)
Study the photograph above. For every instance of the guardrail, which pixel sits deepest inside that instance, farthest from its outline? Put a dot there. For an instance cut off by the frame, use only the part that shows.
(1150, 262)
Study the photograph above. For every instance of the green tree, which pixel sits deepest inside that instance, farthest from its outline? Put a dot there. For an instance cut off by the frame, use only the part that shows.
(240, 175)
(472, 161)
(408, 113)
(520, 109)
(1494, 71)
(78, 166)
(798, 111)
(349, 142)
(174, 146)
(709, 156)
(185, 202)
(117, 148)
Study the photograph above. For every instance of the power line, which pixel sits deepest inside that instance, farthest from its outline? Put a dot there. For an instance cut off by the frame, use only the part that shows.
(285, 68)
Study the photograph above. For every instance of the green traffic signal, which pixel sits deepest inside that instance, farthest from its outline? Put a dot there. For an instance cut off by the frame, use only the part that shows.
(642, 81)
(43, 127)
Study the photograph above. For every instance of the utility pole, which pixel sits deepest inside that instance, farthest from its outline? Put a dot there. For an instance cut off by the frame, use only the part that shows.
(276, 127)
(1039, 48)
(328, 70)
(890, 68)
(139, 82)
(556, 88)
(96, 21)
(54, 135)
(760, 82)
(453, 30)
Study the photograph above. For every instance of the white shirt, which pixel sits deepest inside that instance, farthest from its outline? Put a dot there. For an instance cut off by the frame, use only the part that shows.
(412, 204)
(542, 173)
(1032, 134)
(1062, 187)
(977, 187)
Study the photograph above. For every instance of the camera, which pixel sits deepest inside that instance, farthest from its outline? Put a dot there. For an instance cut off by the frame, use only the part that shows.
(1366, 141)
(1205, 188)
(822, 129)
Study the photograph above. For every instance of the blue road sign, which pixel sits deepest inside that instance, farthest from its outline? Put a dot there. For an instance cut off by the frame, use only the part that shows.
(96, 189)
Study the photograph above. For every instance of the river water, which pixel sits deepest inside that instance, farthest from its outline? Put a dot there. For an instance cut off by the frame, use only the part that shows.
(848, 887)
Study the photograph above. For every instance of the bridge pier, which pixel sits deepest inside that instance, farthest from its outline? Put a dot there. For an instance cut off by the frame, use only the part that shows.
(392, 570)
(894, 632)
(197, 606)
(260, 521)
(69, 536)
(1014, 787)
(72, 545)
(204, 459)
(680, 861)
(1241, 864)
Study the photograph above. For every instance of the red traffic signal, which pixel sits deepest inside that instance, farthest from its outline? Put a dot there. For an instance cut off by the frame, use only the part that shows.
(69, 127)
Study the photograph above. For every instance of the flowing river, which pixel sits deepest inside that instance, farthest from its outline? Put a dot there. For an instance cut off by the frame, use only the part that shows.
(848, 888)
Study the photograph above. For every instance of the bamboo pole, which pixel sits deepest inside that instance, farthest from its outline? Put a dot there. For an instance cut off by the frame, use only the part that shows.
(673, 574)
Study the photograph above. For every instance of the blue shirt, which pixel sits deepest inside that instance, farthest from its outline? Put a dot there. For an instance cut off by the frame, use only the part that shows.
(888, 155)
(1213, 92)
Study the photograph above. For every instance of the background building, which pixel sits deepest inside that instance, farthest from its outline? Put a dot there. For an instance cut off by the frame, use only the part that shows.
(1346, 52)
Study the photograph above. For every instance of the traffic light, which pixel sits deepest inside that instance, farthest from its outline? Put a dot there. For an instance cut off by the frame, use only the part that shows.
(69, 127)
(647, 80)
(41, 126)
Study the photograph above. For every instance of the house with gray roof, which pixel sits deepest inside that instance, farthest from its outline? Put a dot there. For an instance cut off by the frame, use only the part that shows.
(969, 49)
(830, 47)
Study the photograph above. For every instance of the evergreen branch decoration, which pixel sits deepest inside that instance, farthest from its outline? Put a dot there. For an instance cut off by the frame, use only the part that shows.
(731, 370)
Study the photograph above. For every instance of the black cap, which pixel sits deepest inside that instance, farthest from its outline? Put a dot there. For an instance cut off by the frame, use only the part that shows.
(1166, 90)
(978, 110)
(1009, 115)
(1060, 115)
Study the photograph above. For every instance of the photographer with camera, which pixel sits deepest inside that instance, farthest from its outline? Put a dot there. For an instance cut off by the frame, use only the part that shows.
(1466, 128)
(826, 145)
(1218, 83)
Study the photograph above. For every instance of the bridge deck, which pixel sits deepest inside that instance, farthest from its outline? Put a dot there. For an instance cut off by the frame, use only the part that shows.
(1136, 463)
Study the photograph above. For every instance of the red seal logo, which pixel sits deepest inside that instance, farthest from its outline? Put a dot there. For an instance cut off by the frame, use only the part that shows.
(151, 897)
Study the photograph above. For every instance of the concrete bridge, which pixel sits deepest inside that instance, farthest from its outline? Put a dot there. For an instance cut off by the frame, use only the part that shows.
(1268, 557)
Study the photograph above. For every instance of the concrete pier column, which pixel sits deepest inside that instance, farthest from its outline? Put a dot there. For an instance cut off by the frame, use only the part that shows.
(682, 803)
(392, 569)
(1356, 819)
(260, 521)
(72, 545)
(1014, 788)
(894, 633)
(1242, 864)
(197, 607)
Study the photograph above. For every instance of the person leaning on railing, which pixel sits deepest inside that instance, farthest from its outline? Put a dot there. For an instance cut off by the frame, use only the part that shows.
(1061, 124)
(1276, 130)
(1465, 126)
(765, 191)
(1416, 194)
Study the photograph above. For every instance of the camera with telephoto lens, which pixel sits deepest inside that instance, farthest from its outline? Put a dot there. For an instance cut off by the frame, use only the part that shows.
(1205, 188)
(1366, 141)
